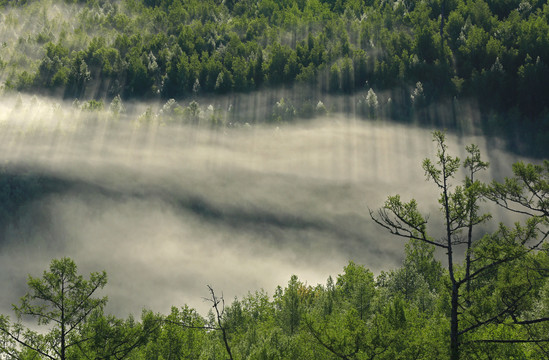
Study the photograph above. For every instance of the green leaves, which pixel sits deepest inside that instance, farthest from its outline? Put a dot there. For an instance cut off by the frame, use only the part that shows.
(447, 165)
(352, 328)
(408, 213)
(320, 43)
(62, 299)
(502, 271)
(527, 192)
(404, 219)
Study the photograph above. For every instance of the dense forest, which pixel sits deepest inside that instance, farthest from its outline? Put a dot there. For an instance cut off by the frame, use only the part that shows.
(401, 59)
(463, 291)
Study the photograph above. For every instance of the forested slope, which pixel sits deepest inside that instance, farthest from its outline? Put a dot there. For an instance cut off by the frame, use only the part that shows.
(492, 52)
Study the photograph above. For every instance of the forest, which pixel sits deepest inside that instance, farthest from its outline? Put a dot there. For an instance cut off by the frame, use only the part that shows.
(470, 285)
(414, 56)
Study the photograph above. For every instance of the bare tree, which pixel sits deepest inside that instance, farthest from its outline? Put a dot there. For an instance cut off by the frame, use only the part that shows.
(218, 304)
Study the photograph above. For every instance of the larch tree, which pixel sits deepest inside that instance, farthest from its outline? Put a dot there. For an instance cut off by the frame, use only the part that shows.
(502, 272)
(62, 300)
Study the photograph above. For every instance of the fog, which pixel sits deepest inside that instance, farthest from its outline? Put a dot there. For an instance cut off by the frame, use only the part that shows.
(168, 209)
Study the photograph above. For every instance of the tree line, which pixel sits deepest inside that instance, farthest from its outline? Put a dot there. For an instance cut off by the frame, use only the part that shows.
(488, 300)
(174, 49)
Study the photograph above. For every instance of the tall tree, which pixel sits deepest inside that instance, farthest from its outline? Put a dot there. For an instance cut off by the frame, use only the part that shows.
(62, 299)
(491, 298)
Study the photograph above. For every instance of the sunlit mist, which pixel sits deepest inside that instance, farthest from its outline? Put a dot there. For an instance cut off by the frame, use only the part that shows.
(167, 208)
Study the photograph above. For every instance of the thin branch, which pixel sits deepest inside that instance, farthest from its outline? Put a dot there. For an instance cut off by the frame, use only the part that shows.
(39, 315)
(219, 314)
(25, 344)
(396, 229)
(510, 308)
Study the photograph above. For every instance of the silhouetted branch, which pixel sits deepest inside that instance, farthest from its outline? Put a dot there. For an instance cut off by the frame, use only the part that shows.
(396, 227)
(219, 314)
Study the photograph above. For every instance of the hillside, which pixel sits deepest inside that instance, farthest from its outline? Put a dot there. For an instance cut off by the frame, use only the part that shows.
(489, 57)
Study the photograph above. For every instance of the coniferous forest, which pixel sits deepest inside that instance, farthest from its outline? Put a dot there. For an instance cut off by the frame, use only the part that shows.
(470, 285)
(489, 55)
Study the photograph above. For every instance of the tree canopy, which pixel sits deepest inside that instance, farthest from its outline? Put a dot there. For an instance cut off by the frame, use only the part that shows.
(174, 49)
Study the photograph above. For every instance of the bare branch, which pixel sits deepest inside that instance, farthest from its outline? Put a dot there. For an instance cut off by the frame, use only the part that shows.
(216, 301)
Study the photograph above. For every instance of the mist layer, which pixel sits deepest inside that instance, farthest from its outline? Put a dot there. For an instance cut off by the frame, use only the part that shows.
(166, 209)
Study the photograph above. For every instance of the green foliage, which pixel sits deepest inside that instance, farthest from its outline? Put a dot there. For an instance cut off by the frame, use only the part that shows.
(61, 300)
(401, 314)
(179, 337)
(526, 192)
(111, 337)
(92, 106)
(117, 107)
(492, 293)
(491, 301)
(283, 111)
(139, 48)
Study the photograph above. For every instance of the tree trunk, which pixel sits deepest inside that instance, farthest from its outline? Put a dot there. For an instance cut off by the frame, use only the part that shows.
(454, 340)
(454, 343)
(63, 330)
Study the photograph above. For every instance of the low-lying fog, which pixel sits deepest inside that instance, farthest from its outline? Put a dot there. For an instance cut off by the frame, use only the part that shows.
(168, 209)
